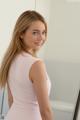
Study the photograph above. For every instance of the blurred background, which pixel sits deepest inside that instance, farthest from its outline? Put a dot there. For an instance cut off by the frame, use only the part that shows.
(61, 52)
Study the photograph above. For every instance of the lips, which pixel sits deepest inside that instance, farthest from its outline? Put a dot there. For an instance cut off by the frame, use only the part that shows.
(38, 43)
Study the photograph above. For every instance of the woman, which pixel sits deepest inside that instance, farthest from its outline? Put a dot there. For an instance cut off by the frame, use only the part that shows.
(25, 74)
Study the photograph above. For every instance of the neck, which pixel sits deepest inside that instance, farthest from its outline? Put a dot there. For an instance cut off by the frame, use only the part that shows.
(32, 52)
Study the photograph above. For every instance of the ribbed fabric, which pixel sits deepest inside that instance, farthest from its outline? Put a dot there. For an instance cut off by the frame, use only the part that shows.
(25, 105)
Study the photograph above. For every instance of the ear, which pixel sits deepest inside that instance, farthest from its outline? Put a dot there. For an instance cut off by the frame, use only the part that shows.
(22, 36)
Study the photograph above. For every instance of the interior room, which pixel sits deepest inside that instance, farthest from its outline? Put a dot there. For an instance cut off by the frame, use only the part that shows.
(61, 53)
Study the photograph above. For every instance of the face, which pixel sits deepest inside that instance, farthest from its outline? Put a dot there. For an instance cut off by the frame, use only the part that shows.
(35, 36)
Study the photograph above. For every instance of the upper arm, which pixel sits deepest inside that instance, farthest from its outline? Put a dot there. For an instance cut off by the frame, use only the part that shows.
(39, 78)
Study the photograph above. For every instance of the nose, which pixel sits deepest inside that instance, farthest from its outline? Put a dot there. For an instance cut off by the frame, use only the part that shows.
(40, 37)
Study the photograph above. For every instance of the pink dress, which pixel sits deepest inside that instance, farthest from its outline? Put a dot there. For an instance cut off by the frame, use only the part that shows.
(25, 105)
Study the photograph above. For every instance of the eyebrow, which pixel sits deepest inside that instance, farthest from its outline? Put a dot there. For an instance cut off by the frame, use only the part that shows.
(38, 30)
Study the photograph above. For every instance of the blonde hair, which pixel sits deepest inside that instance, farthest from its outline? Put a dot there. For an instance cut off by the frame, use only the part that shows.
(16, 44)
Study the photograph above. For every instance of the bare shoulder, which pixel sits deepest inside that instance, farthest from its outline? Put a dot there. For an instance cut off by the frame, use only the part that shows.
(39, 64)
(38, 69)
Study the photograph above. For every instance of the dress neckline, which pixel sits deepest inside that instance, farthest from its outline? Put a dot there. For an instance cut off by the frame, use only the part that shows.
(27, 54)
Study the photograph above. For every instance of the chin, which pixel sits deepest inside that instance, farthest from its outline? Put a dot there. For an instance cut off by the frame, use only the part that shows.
(37, 49)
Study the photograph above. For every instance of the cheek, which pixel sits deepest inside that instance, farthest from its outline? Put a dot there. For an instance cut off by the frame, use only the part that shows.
(29, 37)
(25, 41)
(28, 40)
(34, 37)
(43, 42)
(44, 38)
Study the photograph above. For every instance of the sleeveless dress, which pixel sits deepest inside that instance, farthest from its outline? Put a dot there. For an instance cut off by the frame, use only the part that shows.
(25, 105)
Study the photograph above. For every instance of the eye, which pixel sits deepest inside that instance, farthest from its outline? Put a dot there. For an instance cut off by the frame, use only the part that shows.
(34, 33)
(44, 33)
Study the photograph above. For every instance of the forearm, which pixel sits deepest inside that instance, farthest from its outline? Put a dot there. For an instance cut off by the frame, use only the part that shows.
(47, 116)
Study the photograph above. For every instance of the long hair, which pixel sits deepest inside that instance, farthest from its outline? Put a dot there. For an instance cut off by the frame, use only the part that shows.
(16, 45)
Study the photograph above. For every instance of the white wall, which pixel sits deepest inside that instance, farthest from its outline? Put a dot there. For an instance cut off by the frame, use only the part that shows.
(64, 30)
(62, 52)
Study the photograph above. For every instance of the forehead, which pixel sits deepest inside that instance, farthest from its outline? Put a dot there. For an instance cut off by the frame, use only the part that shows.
(38, 25)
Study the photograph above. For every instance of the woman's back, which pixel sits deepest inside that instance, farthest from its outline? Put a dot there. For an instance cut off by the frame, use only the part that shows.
(25, 102)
